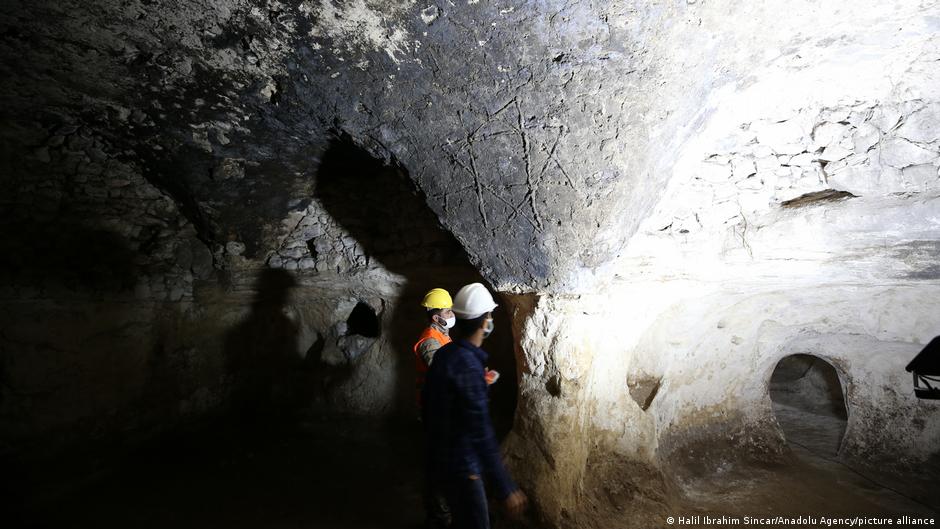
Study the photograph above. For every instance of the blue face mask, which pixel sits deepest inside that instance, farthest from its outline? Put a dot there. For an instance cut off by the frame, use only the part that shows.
(488, 330)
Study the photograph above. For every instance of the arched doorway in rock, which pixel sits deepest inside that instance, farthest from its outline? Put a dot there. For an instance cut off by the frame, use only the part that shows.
(385, 215)
(809, 403)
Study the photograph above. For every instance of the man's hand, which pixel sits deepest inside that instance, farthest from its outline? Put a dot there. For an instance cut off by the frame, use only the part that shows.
(516, 504)
(491, 376)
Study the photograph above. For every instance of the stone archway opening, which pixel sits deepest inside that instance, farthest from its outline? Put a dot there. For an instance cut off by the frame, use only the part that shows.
(809, 403)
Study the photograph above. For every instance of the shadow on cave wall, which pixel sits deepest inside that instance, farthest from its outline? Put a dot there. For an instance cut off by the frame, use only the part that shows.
(261, 354)
(378, 205)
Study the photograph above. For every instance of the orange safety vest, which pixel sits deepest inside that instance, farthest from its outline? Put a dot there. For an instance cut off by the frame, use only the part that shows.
(420, 365)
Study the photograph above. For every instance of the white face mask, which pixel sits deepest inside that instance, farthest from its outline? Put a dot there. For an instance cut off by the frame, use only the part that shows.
(450, 322)
(488, 330)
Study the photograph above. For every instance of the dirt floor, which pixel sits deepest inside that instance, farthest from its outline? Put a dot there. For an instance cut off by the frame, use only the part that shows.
(815, 482)
(351, 474)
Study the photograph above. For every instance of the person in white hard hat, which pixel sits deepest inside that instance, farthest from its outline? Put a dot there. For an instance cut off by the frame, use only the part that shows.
(461, 441)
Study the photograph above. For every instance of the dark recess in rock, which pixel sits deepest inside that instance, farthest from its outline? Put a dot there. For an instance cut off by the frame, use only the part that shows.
(643, 391)
(808, 402)
(312, 248)
(816, 197)
(362, 321)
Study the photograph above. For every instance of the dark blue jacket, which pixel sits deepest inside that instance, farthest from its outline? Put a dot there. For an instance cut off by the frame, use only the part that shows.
(461, 440)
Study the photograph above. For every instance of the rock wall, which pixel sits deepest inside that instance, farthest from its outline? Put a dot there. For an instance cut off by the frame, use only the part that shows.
(223, 99)
(98, 268)
(799, 216)
(671, 196)
(120, 322)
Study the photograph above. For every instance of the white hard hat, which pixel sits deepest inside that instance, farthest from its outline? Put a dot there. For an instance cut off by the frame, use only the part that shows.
(473, 301)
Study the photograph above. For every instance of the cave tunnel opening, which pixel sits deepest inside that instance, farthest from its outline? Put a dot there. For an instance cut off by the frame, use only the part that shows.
(363, 321)
(380, 207)
(809, 403)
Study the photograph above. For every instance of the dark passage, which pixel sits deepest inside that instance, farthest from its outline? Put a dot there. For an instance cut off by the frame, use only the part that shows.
(224, 475)
(809, 404)
(379, 206)
(363, 321)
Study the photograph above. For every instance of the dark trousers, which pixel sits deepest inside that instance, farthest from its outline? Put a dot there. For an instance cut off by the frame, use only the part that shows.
(435, 505)
(435, 498)
(467, 500)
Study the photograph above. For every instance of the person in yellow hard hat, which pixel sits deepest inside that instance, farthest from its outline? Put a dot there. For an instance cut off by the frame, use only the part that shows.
(440, 318)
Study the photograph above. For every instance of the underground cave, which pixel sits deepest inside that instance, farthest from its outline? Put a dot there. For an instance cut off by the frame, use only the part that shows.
(711, 230)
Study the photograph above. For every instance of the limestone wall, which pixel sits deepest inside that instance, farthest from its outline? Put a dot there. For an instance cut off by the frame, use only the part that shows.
(799, 216)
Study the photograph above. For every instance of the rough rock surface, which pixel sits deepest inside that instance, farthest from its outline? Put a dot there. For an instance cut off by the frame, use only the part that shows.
(674, 196)
(542, 134)
(798, 217)
(525, 142)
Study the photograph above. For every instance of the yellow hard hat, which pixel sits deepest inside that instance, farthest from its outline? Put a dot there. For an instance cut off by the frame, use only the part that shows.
(437, 298)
